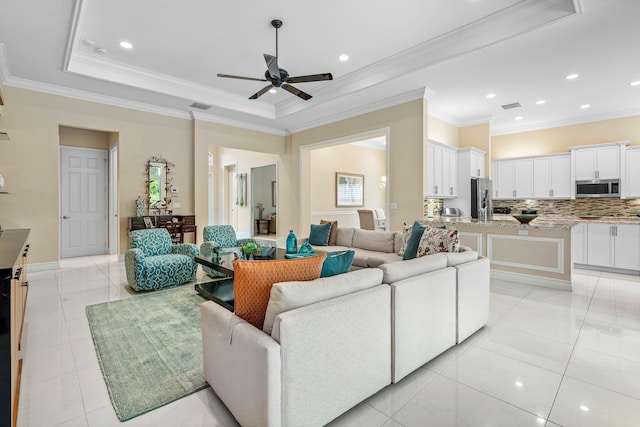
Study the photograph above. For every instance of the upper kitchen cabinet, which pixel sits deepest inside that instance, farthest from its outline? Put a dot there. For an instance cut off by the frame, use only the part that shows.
(513, 178)
(471, 163)
(442, 170)
(552, 177)
(632, 177)
(602, 161)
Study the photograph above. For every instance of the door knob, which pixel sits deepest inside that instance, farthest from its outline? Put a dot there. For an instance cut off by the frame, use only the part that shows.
(66, 217)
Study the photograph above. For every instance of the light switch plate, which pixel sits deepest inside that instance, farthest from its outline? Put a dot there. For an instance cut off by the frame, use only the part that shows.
(176, 205)
(175, 190)
(393, 206)
(520, 232)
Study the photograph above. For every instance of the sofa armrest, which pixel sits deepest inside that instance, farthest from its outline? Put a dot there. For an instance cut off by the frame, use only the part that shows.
(134, 266)
(188, 249)
(473, 296)
(242, 365)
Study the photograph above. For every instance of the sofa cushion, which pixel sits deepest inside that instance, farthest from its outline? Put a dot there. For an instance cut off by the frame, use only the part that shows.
(411, 250)
(337, 263)
(379, 241)
(435, 240)
(378, 259)
(465, 254)
(253, 281)
(397, 241)
(319, 234)
(334, 231)
(362, 256)
(344, 236)
(286, 296)
(400, 270)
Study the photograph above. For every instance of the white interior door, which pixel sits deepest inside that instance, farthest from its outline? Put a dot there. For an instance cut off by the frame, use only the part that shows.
(231, 198)
(113, 200)
(83, 197)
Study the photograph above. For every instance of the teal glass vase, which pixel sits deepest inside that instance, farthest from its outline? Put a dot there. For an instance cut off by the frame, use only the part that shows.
(292, 243)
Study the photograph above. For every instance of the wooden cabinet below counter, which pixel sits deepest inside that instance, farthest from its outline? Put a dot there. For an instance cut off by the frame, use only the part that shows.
(13, 297)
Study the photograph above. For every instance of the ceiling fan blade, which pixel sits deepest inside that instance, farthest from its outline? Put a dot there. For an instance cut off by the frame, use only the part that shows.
(230, 76)
(310, 78)
(296, 92)
(272, 65)
(261, 92)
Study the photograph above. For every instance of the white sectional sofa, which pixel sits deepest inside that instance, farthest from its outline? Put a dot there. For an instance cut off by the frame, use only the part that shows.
(336, 341)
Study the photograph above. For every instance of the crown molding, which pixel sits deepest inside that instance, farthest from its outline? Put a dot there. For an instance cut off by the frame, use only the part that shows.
(196, 115)
(93, 97)
(368, 108)
(567, 122)
(113, 71)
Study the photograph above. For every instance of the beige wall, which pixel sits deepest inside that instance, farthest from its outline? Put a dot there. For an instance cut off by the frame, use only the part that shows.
(558, 140)
(478, 136)
(325, 162)
(404, 124)
(87, 138)
(441, 131)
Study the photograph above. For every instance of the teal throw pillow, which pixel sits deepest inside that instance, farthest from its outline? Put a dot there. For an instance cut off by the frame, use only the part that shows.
(337, 263)
(319, 234)
(300, 255)
(411, 250)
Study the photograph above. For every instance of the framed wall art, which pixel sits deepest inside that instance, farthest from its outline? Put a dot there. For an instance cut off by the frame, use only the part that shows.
(349, 189)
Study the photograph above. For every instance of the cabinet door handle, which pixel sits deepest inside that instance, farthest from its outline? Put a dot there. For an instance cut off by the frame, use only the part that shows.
(478, 173)
(451, 191)
(435, 189)
(66, 217)
(514, 193)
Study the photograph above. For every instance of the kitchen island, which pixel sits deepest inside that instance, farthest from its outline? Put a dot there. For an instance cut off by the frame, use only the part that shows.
(538, 253)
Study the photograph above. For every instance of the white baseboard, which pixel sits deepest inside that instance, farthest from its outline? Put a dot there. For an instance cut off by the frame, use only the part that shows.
(527, 279)
(44, 266)
(607, 269)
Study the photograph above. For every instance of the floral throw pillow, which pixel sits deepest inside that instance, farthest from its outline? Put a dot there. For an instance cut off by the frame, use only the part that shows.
(436, 240)
(406, 234)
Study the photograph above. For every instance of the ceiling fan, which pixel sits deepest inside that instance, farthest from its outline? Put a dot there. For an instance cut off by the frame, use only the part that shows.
(279, 77)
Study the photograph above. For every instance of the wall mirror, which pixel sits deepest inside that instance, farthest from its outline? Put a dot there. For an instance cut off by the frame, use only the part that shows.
(159, 183)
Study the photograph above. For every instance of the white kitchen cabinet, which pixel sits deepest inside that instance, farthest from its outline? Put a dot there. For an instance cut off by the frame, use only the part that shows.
(613, 245)
(495, 177)
(600, 245)
(441, 171)
(513, 179)
(552, 177)
(470, 162)
(597, 162)
(632, 180)
(476, 162)
(579, 243)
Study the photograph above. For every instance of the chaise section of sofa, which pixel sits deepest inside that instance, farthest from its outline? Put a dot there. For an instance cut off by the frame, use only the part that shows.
(321, 359)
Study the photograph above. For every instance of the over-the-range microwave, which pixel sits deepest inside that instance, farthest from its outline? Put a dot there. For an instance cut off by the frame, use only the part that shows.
(598, 188)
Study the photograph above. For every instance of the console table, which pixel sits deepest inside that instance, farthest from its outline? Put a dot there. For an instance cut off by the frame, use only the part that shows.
(13, 298)
(176, 225)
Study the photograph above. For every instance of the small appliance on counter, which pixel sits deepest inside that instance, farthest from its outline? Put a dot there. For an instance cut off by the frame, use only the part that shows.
(451, 212)
(502, 210)
(481, 191)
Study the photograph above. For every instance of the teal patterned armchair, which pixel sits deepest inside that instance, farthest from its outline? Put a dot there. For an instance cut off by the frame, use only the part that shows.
(219, 239)
(154, 263)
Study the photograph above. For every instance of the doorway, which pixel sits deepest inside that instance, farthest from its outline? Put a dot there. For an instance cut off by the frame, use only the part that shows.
(231, 195)
(83, 201)
(264, 196)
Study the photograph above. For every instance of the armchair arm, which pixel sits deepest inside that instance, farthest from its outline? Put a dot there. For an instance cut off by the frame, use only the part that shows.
(185, 249)
(208, 249)
(242, 365)
(134, 265)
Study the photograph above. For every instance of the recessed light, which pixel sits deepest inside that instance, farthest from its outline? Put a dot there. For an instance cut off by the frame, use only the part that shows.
(491, 95)
(519, 384)
(584, 408)
(101, 51)
(518, 118)
(343, 57)
(126, 45)
(88, 42)
(273, 90)
(585, 106)
(572, 76)
(636, 83)
(540, 102)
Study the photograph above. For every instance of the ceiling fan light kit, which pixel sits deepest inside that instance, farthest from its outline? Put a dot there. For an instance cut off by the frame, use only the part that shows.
(279, 77)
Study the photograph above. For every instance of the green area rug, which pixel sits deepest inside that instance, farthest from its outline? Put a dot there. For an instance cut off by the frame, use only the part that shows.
(149, 348)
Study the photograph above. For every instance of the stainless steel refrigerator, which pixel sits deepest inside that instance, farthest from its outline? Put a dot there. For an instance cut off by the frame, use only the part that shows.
(481, 191)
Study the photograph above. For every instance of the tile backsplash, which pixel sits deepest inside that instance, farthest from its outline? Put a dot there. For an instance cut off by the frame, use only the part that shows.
(603, 207)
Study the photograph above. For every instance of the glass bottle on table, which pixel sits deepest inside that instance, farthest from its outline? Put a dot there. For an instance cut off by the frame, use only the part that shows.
(292, 243)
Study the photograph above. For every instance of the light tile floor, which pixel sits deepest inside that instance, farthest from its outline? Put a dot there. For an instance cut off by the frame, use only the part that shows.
(547, 357)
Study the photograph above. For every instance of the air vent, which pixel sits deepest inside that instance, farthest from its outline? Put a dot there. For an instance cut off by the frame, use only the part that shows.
(4, 136)
(200, 106)
(510, 106)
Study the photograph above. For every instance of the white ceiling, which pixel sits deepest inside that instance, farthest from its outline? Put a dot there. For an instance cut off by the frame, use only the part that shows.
(452, 52)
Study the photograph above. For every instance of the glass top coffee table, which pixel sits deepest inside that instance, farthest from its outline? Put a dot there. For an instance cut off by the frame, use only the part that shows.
(220, 290)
